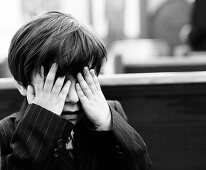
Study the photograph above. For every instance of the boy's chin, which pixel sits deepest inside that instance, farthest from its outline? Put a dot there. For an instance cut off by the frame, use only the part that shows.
(74, 122)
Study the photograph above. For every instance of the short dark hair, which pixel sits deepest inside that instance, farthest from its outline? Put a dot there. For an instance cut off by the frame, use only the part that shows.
(54, 37)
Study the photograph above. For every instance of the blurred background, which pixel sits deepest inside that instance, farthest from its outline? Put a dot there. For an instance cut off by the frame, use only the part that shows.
(140, 35)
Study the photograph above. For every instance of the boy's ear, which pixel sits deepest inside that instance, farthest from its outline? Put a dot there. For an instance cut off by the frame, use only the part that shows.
(21, 88)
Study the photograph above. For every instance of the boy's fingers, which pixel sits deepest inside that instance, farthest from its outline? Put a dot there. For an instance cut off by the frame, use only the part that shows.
(42, 72)
(39, 81)
(50, 78)
(65, 90)
(80, 93)
(58, 86)
(30, 94)
(89, 80)
(84, 87)
(96, 82)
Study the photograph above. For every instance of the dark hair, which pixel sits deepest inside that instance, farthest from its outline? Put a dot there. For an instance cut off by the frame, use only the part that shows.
(54, 37)
(197, 36)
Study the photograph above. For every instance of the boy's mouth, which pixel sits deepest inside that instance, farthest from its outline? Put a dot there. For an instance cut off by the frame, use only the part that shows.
(74, 117)
(70, 117)
(70, 112)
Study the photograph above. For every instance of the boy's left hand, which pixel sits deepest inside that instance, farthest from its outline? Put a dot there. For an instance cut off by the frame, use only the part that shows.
(91, 97)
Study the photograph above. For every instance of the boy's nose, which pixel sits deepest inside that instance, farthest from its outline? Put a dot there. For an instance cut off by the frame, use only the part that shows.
(72, 96)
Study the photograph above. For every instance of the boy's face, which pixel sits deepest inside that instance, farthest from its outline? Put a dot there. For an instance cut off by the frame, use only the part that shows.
(63, 95)
(72, 109)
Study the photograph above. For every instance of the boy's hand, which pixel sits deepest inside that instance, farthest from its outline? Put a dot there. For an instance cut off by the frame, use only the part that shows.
(49, 94)
(92, 98)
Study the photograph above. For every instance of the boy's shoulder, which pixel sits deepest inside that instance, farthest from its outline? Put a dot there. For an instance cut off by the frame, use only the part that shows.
(7, 127)
(113, 101)
(10, 117)
(110, 102)
(7, 124)
(116, 105)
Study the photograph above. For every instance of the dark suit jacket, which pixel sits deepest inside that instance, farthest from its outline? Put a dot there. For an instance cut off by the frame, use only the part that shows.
(35, 139)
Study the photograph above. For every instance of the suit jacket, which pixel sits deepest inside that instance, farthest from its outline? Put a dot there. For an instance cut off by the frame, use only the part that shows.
(35, 138)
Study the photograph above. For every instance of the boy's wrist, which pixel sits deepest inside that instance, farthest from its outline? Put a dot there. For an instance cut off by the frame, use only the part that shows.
(106, 125)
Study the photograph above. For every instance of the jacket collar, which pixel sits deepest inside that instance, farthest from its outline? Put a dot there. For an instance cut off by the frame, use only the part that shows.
(20, 114)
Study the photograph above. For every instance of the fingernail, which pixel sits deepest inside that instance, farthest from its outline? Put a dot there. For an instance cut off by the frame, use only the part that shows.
(80, 75)
(92, 71)
(77, 85)
(54, 65)
(68, 82)
(85, 70)
(42, 71)
(29, 87)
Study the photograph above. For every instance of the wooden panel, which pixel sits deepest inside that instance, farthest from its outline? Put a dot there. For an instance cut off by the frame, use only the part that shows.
(152, 69)
(171, 119)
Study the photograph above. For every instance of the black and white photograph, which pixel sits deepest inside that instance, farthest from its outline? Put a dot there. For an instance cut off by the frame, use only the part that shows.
(103, 85)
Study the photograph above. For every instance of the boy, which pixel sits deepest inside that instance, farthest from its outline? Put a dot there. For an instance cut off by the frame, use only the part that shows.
(65, 121)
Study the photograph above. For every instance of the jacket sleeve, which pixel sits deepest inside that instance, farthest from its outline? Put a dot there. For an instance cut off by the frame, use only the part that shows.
(35, 140)
(124, 146)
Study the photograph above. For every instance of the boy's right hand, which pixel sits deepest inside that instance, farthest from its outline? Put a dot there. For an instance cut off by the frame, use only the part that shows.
(50, 94)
